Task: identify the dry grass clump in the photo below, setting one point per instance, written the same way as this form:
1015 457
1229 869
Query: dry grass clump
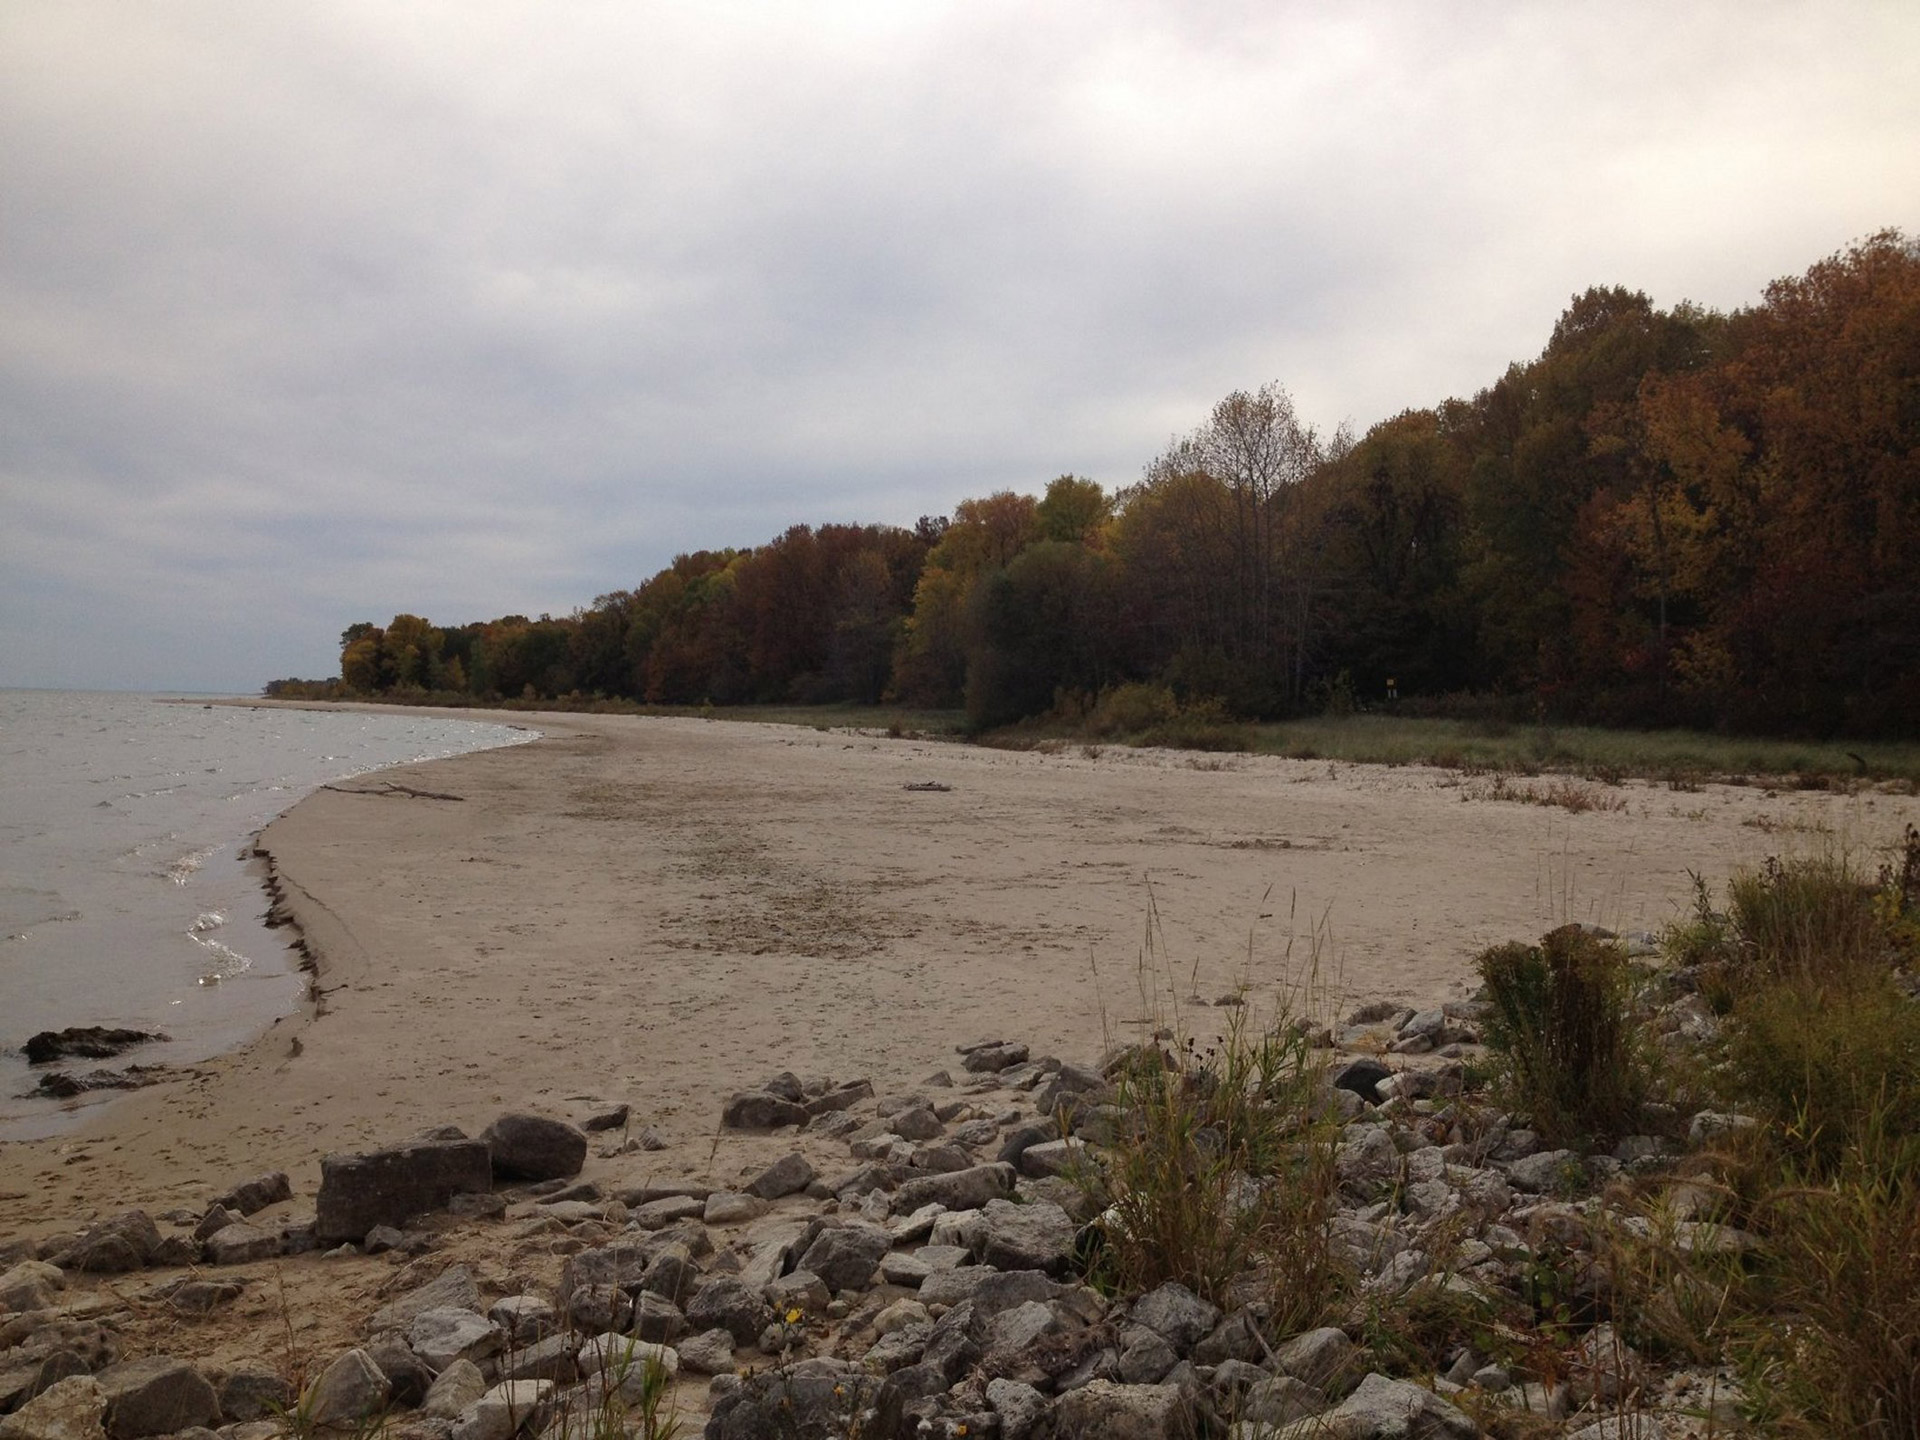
1225 1170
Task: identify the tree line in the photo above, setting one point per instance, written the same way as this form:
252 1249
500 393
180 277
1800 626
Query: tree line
1667 517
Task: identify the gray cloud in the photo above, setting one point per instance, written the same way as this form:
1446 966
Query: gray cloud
315 312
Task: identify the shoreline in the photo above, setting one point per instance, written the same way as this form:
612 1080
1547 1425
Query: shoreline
661 911
240 912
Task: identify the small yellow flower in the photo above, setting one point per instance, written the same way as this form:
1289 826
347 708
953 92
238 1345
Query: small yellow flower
959 1429
793 1317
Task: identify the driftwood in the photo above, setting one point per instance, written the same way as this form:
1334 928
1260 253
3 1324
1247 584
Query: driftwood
926 785
388 787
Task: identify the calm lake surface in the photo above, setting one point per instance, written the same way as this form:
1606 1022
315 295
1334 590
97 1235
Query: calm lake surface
127 896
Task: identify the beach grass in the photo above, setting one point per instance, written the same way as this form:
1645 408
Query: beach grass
1680 756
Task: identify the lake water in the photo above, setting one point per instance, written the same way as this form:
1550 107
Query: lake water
127 895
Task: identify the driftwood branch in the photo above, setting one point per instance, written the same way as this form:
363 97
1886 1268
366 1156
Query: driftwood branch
388 787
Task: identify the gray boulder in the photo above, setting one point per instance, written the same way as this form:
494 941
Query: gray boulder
786 1176
991 1059
725 1303
349 1390
443 1336
387 1187
453 1288
1177 1315
256 1194
967 1189
72 1409
124 1242
760 1110
808 1401
1027 1237
534 1147
240 1243
1325 1359
253 1392
457 1387
846 1256
1019 1407
1384 1409
156 1396
1103 1410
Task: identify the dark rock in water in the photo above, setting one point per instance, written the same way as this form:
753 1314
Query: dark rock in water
64 1084
386 1187
532 1147
85 1042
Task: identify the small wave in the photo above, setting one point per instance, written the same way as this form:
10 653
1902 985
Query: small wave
206 921
227 962
181 870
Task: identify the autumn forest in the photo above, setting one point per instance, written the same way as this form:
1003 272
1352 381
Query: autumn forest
1669 517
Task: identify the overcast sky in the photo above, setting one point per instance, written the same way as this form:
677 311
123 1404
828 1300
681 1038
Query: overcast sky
311 313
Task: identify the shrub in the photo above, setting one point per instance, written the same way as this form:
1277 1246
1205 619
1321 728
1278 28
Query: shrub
1561 1033
1812 919
1825 1063
1130 709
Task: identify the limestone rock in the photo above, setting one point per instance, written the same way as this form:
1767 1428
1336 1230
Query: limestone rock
443 1336
524 1318
458 1386
407 1374
250 1196
253 1392
1176 1314
724 1303
348 1391
1325 1359
957 1190
1104 1410
1019 1407
786 1176
122 1243
387 1187
72 1409
708 1353
534 1147
759 1110
30 1285
1384 1409
241 1243
990 1059
1026 1237
730 1207
453 1288
846 1257
516 1407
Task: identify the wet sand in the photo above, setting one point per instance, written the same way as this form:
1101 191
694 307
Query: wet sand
663 911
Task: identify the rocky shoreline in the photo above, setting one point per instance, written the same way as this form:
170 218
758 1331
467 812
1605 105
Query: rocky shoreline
913 1265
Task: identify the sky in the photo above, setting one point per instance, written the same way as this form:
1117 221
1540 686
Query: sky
319 312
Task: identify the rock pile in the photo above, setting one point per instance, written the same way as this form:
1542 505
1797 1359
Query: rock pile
912 1266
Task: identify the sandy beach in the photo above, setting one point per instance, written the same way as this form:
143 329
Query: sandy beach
663 911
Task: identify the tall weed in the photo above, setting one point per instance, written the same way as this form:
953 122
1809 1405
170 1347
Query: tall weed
1561 1034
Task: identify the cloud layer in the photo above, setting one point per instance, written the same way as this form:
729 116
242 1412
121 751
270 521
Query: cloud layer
314 312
